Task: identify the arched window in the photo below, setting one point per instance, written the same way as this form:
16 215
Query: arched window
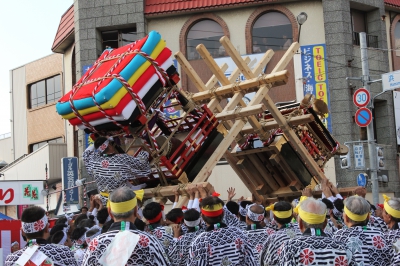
272 30
207 32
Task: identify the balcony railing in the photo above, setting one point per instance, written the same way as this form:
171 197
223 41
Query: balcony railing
372 40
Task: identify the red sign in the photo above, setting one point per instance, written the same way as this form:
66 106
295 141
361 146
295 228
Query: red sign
361 97
363 117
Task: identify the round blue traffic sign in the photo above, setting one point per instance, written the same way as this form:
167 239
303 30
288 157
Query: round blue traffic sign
363 117
361 180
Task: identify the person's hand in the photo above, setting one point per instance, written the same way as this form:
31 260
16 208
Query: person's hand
335 190
202 191
176 228
196 192
190 191
306 192
231 193
241 199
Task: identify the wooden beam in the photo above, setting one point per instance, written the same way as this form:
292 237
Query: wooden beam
212 65
241 112
187 67
169 190
246 86
263 171
268 125
213 80
247 166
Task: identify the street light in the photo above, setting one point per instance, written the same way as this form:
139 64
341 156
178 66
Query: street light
301 18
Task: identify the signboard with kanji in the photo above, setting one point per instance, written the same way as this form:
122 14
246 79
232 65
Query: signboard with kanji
69 173
21 193
359 160
315 75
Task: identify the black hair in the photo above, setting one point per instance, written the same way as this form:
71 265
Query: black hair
233 207
92 232
84 208
57 237
78 233
140 224
244 204
208 202
31 215
106 226
79 219
174 214
62 220
99 141
57 228
87 223
191 215
283 206
102 215
151 210
328 203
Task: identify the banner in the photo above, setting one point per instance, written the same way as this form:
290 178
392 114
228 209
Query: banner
315 75
21 193
69 174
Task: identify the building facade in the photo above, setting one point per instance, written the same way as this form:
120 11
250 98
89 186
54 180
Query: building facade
254 27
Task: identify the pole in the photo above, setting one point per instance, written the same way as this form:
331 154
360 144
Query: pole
370 127
47 189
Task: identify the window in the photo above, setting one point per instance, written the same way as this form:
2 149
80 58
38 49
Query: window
358 24
271 30
45 91
207 32
34 147
118 38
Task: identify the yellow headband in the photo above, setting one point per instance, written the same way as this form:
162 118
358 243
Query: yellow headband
139 194
213 208
311 218
279 214
122 207
355 217
390 210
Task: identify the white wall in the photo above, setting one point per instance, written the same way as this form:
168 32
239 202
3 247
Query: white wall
69 130
18 111
6 150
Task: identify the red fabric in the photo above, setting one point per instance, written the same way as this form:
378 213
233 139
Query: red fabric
13 226
184 208
380 206
117 110
178 220
216 194
156 219
101 71
212 213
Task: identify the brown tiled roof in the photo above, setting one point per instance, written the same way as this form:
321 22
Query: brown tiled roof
65 31
156 7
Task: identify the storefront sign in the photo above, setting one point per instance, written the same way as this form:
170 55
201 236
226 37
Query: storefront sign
315 75
21 193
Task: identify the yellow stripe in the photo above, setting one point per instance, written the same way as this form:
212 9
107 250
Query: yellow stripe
122 91
122 207
390 210
213 208
355 217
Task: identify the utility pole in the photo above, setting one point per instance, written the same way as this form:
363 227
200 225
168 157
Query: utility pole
370 128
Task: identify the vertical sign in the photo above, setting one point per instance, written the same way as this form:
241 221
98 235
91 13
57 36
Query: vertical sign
69 175
359 160
396 102
315 75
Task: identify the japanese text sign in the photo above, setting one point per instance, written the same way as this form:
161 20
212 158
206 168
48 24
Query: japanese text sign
21 193
69 173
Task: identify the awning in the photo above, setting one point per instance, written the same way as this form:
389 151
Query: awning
5 217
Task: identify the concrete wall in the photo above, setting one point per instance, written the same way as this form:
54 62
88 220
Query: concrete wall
43 122
19 128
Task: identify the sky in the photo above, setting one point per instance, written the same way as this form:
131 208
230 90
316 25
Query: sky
27 31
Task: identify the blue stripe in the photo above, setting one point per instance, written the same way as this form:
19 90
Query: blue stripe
109 91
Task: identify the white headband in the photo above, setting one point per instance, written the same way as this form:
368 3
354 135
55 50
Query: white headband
103 146
63 240
35 227
242 210
255 217
88 239
192 223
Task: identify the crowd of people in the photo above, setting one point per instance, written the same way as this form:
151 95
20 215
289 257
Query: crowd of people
121 228
307 231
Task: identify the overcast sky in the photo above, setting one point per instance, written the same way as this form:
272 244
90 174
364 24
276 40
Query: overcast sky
27 31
